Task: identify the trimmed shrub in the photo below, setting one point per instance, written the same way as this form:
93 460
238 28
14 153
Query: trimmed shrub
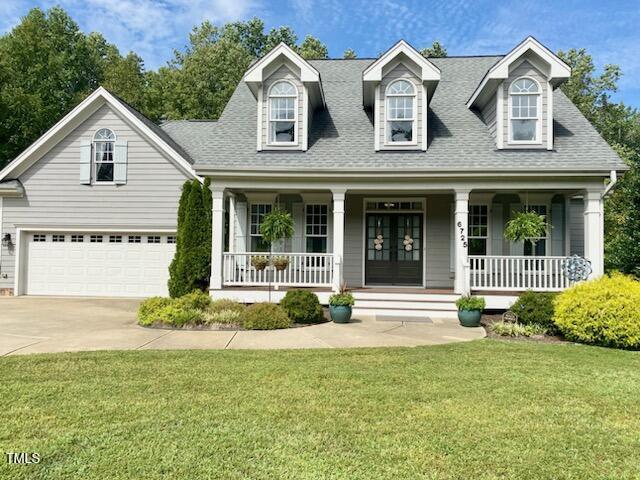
196 300
507 329
265 316
227 304
536 308
603 312
302 306
177 316
148 310
226 317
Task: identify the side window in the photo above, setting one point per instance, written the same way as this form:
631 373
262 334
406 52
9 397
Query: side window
316 228
258 211
478 229
103 149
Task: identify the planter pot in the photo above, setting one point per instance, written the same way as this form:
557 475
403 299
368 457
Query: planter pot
281 266
340 313
469 318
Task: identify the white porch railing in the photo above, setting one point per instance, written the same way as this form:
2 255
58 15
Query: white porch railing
509 273
303 270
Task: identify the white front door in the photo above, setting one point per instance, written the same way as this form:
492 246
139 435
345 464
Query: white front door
98 264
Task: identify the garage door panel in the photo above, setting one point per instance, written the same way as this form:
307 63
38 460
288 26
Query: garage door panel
97 269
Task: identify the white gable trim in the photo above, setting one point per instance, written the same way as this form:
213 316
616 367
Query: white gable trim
558 69
429 72
88 106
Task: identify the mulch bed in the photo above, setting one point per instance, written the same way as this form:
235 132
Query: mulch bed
488 319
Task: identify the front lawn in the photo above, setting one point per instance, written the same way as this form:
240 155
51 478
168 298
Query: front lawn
484 409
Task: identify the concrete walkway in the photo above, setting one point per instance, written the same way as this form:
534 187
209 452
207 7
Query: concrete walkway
49 324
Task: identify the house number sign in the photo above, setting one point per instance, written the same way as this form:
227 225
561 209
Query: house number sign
463 237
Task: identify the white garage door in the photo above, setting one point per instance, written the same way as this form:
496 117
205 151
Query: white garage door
98 264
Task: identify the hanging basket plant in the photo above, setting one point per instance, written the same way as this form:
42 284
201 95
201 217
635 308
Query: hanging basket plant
526 226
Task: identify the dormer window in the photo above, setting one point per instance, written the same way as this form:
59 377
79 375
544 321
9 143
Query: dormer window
283 99
524 110
400 112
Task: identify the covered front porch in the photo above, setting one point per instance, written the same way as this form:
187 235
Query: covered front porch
448 240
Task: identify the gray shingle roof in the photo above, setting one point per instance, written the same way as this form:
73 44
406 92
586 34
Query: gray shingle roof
341 136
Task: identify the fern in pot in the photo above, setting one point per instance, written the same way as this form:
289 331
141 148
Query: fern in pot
470 310
525 226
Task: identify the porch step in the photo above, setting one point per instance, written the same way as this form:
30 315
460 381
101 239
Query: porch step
418 306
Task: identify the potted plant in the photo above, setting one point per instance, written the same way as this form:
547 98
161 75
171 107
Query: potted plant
276 225
470 310
527 225
340 306
260 262
281 263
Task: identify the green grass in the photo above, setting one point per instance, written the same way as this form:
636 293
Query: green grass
484 409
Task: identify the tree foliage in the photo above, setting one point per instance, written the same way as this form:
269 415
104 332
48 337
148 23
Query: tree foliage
191 266
619 125
349 53
436 50
47 66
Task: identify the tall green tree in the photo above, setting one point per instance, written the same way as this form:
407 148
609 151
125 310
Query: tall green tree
191 267
45 69
436 50
349 54
312 48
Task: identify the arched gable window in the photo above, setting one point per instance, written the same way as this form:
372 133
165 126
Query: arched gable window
283 100
524 110
103 148
400 112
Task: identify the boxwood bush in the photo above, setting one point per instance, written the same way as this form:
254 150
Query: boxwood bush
265 316
603 312
302 306
536 308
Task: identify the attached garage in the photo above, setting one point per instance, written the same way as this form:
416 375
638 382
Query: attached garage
106 264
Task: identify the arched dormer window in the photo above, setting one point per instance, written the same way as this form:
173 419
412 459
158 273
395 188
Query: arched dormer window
283 102
400 112
103 147
524 111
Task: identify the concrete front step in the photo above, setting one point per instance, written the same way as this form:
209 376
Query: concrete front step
406 305
400 296
415 315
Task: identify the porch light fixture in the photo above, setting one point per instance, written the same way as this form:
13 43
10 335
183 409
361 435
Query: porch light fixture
6 240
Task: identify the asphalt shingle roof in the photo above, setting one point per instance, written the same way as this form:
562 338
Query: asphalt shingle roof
341 136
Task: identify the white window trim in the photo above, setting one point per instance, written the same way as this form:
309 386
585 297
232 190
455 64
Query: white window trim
488 236
413 120
250 214
296 134
538 119
94 162
306 235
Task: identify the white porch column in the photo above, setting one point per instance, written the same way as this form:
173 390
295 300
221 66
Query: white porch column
217 237
338 237
461 226
594 231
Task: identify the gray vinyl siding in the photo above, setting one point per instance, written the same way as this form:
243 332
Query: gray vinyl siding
400 71
576 226
438 241
525 69
489 116
55 197
439 228
282 73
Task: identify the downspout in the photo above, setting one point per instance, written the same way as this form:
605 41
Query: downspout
613 176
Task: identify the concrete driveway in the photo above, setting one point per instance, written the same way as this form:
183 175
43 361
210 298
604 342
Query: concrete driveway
52 324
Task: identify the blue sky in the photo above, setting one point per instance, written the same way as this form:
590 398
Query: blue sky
153 28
